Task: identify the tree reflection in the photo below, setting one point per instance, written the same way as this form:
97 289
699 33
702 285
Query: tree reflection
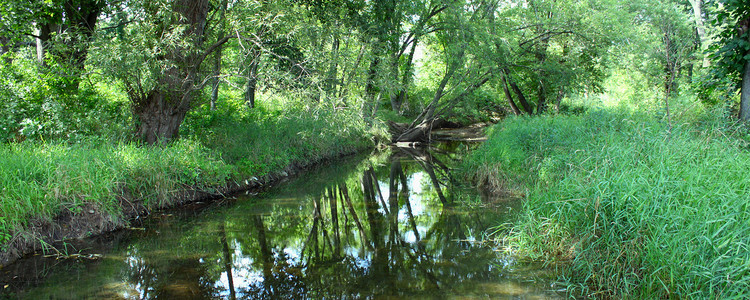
339 239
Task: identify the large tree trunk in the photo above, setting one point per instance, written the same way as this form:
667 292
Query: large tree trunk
160 111
159 118
215 85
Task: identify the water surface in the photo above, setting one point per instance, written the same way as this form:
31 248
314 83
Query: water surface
388 226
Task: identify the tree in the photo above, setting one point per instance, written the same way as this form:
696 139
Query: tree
222 28
63 30
162 76
700 28
732 51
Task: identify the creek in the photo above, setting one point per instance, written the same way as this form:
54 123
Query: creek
396 225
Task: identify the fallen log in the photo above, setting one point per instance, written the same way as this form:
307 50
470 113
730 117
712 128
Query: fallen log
419 133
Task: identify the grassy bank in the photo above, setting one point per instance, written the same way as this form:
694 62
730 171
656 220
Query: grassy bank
40 180
639 210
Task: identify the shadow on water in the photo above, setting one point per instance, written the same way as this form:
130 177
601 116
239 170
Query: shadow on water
394 225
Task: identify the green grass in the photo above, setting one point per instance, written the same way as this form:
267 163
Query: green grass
40 179
639 211
269 141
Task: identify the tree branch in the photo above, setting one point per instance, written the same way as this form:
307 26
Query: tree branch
213 48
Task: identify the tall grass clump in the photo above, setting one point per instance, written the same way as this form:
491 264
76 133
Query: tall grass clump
39 180
638 209
264 141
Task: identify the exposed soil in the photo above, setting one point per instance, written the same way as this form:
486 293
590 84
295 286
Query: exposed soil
91 220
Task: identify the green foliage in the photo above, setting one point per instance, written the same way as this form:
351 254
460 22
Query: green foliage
39 106
731 50
640 211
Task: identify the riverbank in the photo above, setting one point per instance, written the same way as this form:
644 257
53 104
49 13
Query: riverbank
55 191
637 209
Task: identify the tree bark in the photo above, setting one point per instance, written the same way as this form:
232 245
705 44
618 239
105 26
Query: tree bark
331 81
5 49
745 93
159 118
215 85
218 56
560 96
700 28
406 79
509 97
521 98
252 84
76 18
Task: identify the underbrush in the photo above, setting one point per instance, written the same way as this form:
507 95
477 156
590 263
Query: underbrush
638 209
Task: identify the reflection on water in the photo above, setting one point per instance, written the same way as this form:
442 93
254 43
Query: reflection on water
395 226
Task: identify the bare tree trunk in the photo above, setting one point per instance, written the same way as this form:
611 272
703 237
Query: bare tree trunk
509 97
331 81
745 93
521 98
560 95
252 77
43 35
217 72
406 79
217 57
700 28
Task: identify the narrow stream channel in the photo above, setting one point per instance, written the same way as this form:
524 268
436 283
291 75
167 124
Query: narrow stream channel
393 225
